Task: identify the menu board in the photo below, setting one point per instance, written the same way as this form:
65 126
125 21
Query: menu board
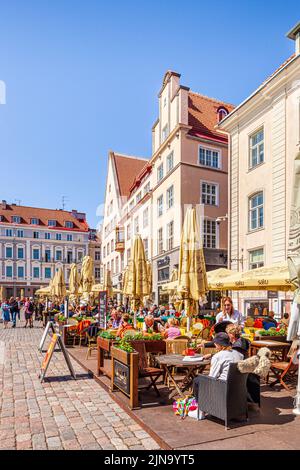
102 309
56 339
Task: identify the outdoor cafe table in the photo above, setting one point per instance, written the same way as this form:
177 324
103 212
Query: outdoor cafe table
192 369
274 346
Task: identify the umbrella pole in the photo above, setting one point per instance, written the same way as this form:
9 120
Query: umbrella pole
296 410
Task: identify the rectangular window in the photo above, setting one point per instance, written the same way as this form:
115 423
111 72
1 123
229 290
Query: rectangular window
20 271
20 253
209 157
69 238
69 257
256 148
209 194
36 273
256 211
35 253
58 236
47 256
108 249
9 232
160 242
209 234
80 256
16 219
113 266
145 241
68 224
170 162
138 197
20 233
170 197
47 236
160 172
112 244
136 225
97 273
145 218
8 252
170 232
147 188
97 255
256 258
51 223
165 133
9 271
104 252
35 221
36 234
160 202
163 274
58 255
48 273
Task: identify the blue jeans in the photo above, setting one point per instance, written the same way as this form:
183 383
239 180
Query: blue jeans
14 318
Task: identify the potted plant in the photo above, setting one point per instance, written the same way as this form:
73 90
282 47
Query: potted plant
106 339
274 334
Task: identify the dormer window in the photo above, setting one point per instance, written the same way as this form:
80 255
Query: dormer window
35 221
51 223
68 224
222 113
16 219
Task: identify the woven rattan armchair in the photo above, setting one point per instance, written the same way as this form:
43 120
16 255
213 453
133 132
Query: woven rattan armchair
225 400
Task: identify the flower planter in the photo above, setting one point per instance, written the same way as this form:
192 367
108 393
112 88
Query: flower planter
267 338
125 371
153 346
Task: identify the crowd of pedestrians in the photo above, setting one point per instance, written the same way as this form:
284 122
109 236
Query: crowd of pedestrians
10 311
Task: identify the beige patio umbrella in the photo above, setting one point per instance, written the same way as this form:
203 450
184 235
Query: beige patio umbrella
148 298
86 278
294 267
60 285
192 280
108 283
74 280
137 282
1 293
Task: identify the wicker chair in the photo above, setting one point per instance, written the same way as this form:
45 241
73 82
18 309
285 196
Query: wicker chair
225 400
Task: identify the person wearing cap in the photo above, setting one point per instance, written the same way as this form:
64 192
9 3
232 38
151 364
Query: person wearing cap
220 361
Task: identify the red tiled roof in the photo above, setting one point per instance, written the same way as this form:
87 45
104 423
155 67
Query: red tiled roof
203 115
127 169
27 213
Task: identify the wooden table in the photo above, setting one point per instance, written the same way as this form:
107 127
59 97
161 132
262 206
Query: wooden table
274 346
192 369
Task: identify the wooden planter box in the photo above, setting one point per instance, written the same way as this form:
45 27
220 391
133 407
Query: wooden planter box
155 346
125 372
272 338
103 344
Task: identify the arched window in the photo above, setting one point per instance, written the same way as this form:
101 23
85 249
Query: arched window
222 113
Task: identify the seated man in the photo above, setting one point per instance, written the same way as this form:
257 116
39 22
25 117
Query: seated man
269 321
151 325
125 326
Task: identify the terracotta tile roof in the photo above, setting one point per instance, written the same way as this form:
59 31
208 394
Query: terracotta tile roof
27 213
127 169
203 115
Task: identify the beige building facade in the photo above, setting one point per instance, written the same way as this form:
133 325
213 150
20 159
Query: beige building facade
149 197
264 140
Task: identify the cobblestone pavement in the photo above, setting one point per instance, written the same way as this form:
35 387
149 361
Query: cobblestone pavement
60 413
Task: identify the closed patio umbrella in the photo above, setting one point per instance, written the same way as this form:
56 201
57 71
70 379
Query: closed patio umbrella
192 280
60 285
74 280
86 278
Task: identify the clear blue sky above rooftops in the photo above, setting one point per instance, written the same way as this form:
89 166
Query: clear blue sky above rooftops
82 78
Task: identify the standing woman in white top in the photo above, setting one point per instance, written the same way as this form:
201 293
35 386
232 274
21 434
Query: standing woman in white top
229 314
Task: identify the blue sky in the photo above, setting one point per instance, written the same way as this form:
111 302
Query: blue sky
82 78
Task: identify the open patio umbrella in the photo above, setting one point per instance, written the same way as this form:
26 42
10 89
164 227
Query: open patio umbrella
137 282
74 280
86 278
294 267
192 280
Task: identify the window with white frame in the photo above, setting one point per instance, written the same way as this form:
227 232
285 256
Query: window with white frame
20 233
36 234
165 132
108 249
97 255
209 233
97 273
209 194
145 218
47 236
9 232
69 224
79 256
160 241
256 211
256 148
58 236
209 157
131 205
8 252
138 197
170 197
58 255
104 252
20 252
256 258
136 225
48 274
36 272
147 188
170 235
160 202
160 172
16 219
36 253
170 161
35 221
69 237
51 223
9 271
21 272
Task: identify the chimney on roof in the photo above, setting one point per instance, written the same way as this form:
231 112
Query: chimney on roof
3 204
294 34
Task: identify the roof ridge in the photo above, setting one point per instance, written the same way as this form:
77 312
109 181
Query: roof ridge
41 208
117 154
210 98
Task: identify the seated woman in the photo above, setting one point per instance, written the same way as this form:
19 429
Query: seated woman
238 343
125 326
172 329
220 361
150 325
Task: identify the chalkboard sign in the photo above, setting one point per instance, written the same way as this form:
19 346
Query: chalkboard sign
102 308
56 339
